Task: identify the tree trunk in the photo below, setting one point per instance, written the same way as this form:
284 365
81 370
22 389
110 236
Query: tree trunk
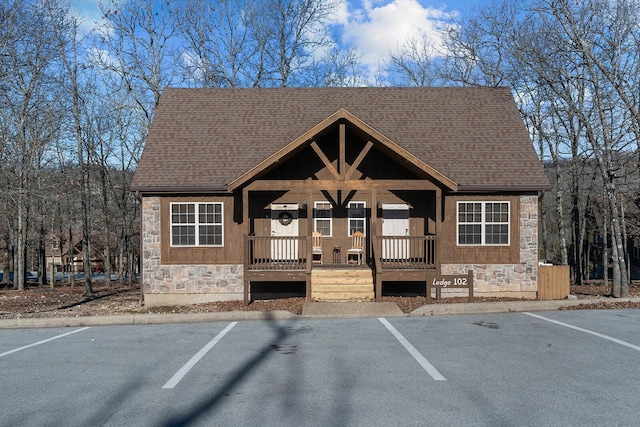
564 257
42 256
19 262
121 263
620 284
72 267
86 260
605 250
107 263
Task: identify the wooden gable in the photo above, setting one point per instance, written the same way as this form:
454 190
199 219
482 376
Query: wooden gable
342 148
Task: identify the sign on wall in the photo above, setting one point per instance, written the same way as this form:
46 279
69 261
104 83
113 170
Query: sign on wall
449 281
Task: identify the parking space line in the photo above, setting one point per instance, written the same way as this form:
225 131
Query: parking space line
586 331
431 370
199 355
6 353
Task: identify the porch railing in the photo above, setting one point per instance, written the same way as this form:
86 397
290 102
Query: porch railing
277 253
390 252
406 252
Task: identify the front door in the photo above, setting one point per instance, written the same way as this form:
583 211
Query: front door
284 223
395 222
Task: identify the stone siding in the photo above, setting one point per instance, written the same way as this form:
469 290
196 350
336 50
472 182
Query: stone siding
219 282
519 279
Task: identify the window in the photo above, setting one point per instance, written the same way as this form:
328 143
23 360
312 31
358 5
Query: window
322 217
483 223
196 224
636 250
357 217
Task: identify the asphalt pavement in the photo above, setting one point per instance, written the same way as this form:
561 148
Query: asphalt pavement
538 368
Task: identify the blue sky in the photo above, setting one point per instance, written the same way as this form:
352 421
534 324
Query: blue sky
374 27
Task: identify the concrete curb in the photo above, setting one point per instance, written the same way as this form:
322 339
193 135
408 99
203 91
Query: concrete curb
509 306
145 319
335 311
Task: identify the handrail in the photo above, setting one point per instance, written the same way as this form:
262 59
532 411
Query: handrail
277 252
388 252
405 252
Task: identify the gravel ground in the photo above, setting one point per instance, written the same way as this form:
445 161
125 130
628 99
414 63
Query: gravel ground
68 301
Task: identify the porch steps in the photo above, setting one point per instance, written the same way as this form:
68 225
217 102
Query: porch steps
341 284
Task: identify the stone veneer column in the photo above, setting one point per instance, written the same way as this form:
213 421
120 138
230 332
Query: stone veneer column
518 279
150 241
175 284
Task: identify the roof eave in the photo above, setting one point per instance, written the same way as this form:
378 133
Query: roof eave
498 188
157 190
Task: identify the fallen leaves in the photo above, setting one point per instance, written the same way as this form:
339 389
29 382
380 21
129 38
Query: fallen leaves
68 301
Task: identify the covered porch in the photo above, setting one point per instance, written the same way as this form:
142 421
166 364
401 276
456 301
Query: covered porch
406 258
338 179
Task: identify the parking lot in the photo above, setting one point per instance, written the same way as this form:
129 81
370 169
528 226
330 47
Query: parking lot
552 368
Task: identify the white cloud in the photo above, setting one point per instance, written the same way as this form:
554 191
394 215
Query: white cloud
88 12
378 27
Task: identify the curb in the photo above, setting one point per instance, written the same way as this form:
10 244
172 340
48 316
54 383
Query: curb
227 316
145 319
509 306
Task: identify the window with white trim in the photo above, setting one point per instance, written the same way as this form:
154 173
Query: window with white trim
357 217
483 223
323 218
196 224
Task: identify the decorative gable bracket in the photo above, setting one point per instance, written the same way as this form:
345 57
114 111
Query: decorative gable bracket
341 173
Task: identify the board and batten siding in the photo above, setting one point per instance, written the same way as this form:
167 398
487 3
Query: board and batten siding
168 282
229 253
515 275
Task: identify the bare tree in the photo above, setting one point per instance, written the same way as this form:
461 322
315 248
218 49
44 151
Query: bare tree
249 44
573 67
416 63
220 48
136 45
66 31
288 33
479 46
337 68
27 97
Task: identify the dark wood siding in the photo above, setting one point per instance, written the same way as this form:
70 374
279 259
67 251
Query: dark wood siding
451 253
230 253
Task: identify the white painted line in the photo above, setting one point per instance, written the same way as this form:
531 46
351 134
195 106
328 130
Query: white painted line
412 350
566 325
6 353
199 355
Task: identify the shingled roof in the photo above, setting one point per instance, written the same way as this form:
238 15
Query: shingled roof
203 139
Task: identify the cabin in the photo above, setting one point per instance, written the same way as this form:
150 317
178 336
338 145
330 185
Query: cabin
344 193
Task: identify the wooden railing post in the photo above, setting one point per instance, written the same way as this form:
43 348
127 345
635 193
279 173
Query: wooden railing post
247 260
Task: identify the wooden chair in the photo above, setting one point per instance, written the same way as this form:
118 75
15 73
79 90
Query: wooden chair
316 243
354 255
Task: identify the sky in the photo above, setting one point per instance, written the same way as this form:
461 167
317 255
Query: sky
374 27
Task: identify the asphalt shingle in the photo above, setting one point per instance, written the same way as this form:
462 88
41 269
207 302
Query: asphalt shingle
206 138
